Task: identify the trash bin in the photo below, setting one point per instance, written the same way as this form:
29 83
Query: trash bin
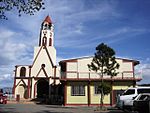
17 98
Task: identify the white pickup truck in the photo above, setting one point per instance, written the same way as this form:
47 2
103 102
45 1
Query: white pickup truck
125 101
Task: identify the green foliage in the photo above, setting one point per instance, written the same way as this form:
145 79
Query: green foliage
22 6
105 87
104 63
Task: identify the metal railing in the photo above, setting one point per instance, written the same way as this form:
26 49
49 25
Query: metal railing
94 75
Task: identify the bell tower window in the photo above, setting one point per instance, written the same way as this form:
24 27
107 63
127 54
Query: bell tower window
44 42
49 26
22 72
50 41
46 26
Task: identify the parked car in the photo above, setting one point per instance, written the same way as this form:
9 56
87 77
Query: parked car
125 101
142 103
3 98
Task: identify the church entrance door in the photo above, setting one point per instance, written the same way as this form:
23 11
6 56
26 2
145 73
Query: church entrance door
42 88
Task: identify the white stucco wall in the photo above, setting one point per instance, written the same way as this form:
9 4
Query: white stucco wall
80 69
19 88
83 64
49 34
58 71
43 59
72 66
32 88
127 66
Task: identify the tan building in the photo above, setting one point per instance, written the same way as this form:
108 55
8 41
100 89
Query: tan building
80 84
71 81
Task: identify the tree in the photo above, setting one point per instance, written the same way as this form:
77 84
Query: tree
22 6
104 62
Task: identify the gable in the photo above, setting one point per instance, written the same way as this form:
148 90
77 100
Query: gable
40 53
42 58
42 73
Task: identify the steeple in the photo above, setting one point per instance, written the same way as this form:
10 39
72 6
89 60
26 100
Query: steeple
46 33
47 19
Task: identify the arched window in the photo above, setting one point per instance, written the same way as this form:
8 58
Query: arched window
44 42
49 26
45 26
50 42
22 72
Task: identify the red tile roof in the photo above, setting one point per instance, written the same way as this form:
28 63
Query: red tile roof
47 19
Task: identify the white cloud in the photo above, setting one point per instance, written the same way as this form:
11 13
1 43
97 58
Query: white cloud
10 50
5 76
68 17
121 33
144 69
13 52
58 59
6 33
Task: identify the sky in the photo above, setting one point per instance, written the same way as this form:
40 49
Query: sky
79 26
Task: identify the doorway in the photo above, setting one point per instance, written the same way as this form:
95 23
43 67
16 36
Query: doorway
42 88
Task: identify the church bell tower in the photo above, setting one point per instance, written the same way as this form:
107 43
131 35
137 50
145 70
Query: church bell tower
45 53
46 33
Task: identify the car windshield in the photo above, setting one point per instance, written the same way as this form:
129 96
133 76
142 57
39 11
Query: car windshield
129 92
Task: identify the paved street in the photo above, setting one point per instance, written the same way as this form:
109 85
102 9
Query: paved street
33 108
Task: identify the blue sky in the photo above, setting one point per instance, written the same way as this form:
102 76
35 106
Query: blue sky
80 25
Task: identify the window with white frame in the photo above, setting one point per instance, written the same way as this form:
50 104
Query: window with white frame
78 90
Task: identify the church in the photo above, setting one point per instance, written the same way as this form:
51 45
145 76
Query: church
70 82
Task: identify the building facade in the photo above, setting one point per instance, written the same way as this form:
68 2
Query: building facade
71 79
32 81
82 84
